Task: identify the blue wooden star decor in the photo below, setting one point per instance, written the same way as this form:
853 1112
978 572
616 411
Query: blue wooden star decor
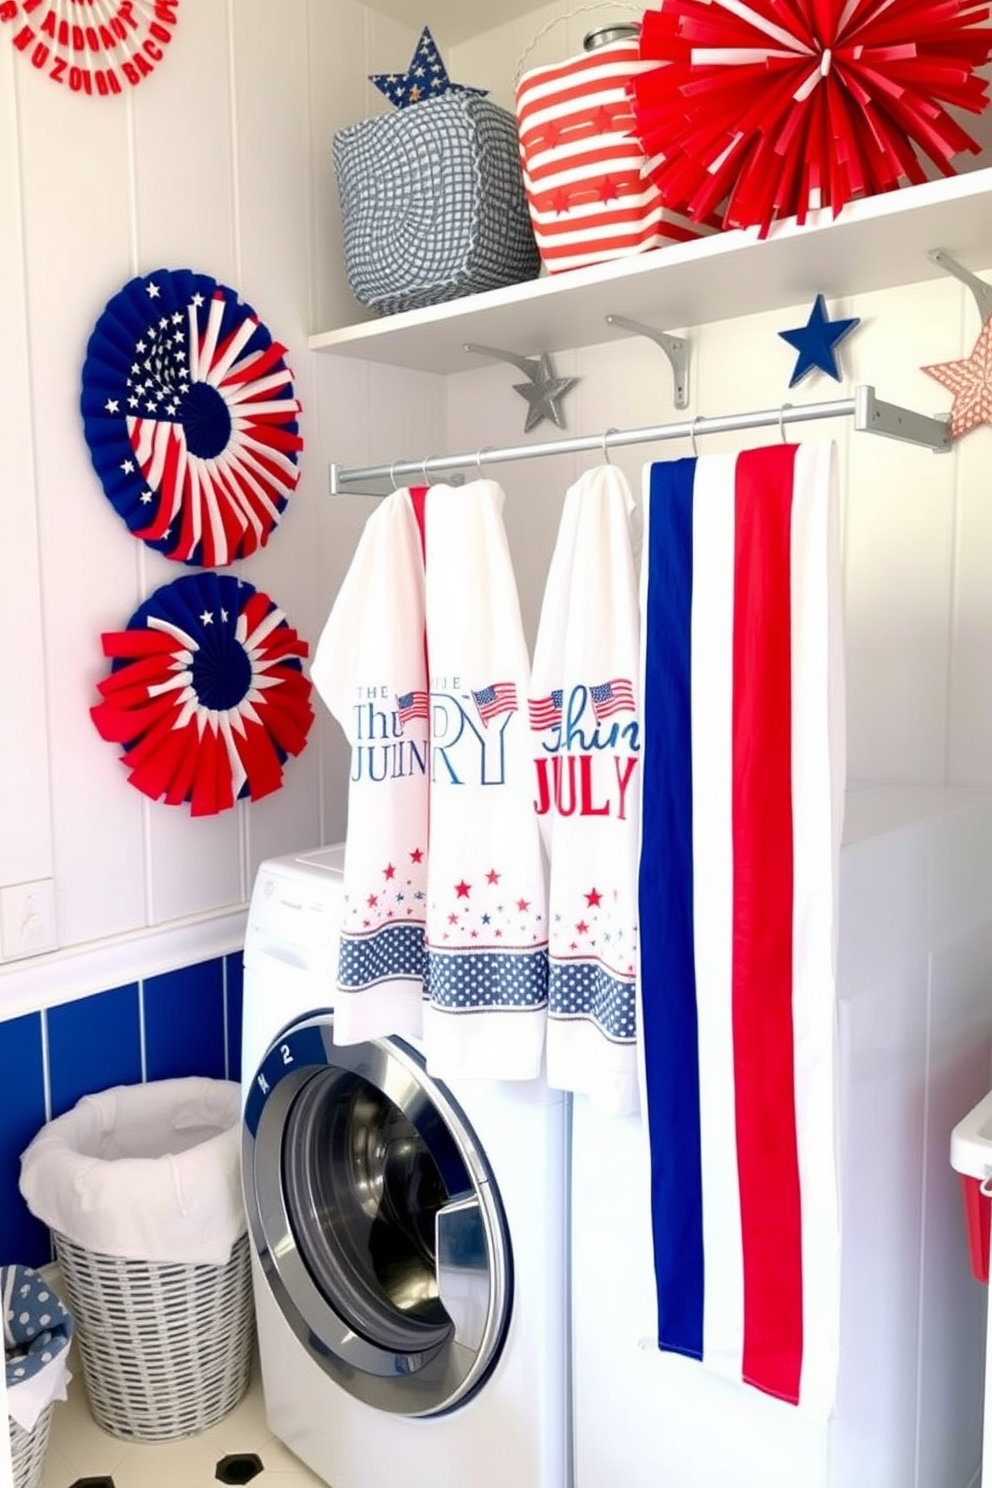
816 340
426 77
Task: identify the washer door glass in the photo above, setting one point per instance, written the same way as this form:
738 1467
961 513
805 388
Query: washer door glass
376 1219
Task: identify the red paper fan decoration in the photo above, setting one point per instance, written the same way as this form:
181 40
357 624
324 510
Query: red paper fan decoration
206 693
99 49
777 107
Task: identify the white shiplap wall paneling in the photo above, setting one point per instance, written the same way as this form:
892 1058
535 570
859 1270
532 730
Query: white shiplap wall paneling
25 815
274 211
191 865
75 157
337 92
341 432
899 531
184 188
969 722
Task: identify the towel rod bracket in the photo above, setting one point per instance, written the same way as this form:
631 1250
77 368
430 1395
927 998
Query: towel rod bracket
874 416
676 349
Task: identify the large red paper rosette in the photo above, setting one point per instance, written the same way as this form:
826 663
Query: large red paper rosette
206 693
777 107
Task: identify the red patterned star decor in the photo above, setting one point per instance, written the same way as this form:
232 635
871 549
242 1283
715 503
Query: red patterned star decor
775 108
970 380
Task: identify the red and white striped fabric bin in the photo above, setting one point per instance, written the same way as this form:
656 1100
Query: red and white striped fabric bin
582 163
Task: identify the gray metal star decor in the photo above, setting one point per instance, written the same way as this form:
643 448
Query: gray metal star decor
544 392
543 389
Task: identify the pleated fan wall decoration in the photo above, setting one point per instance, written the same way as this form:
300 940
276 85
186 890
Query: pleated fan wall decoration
190 416
98 50
206 693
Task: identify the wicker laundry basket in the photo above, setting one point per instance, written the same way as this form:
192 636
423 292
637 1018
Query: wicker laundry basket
37 1332
28 1448
141 1188
166 1349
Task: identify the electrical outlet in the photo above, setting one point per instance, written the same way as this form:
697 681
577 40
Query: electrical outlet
27 919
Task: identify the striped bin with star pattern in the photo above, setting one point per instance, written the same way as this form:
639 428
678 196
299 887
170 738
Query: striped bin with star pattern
588 194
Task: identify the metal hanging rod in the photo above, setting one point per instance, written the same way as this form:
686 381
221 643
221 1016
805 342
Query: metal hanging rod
870 415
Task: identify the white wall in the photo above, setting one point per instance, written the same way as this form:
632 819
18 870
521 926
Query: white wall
221 162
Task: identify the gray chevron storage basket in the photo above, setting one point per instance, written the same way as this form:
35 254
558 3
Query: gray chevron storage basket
433 204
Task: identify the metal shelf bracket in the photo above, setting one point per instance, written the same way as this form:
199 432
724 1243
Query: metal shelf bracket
979 288
676 349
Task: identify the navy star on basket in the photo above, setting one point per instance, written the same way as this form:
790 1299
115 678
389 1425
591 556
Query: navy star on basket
190 417
816 340
426 77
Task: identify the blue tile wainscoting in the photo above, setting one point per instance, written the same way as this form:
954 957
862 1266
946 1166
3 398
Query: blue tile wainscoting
183 1022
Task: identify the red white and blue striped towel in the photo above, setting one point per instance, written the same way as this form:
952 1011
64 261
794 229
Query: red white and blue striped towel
742 803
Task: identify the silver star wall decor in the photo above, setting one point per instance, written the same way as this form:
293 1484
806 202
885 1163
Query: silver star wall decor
543 394
543 390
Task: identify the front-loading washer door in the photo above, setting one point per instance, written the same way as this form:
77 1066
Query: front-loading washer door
376 1219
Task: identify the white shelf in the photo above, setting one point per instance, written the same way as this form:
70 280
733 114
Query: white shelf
452 21
877 243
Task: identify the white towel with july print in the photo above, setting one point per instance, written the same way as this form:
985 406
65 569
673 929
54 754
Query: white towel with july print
486 914
586 733
370 670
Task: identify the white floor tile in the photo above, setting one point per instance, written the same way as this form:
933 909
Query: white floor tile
79 1448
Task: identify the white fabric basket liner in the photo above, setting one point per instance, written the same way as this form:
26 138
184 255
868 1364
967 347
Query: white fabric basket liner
144 1172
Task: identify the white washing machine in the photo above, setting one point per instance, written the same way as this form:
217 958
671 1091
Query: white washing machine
408 1236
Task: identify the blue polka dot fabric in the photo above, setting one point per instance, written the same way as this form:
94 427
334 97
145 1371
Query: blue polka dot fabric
37 1326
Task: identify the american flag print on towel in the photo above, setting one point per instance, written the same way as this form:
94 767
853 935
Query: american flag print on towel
586 733
487 928
742 807
370 668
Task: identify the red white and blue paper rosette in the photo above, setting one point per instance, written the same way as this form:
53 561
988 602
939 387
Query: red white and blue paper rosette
206 693
190 417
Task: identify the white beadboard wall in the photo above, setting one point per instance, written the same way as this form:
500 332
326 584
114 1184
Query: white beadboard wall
221 162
